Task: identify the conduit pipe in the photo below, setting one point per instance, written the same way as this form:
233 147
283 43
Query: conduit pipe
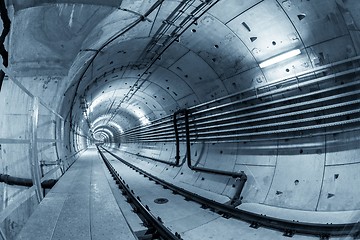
26 182
240 175
324 230
300 77
163 129
236 127
177 141
236 199
296 80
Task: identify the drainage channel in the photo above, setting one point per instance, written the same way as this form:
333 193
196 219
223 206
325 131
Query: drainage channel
157 230
289 228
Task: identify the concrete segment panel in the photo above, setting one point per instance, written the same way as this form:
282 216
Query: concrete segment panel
259 179
297 181
340 189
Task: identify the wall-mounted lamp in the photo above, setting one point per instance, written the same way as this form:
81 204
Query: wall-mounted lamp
280 58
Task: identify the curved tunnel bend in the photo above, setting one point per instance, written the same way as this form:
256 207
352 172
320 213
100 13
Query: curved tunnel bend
203 94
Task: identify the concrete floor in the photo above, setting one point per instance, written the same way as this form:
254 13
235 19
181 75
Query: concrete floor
90 71
80 206
186 217
86 204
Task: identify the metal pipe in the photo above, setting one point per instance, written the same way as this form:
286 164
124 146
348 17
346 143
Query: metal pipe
26 182
281 81
236 125
199 121
284 101
207 136
177 140
225 126
317 229
235 139
236 199
281 90
235 128
158 122
288 130
153 123
151 128
235 119
202 169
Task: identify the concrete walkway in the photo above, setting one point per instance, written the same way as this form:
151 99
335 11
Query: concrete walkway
80 206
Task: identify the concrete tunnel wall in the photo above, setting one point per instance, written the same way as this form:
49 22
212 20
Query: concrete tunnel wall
215 57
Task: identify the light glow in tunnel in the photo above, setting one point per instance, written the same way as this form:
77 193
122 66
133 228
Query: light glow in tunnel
103 132
200 94
112 99
280 58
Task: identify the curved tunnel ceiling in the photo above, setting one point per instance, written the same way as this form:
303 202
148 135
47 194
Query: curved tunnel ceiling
137 61
144 70
111 66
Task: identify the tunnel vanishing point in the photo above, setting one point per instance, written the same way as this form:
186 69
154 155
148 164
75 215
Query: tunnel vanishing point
180 119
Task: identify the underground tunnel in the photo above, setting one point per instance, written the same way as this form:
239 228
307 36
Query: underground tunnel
180 119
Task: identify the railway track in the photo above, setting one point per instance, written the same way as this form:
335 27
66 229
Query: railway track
160 231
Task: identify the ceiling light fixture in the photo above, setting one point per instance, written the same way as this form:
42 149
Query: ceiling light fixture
280 58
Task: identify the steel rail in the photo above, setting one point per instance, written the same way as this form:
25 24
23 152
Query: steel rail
150 219
257 220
